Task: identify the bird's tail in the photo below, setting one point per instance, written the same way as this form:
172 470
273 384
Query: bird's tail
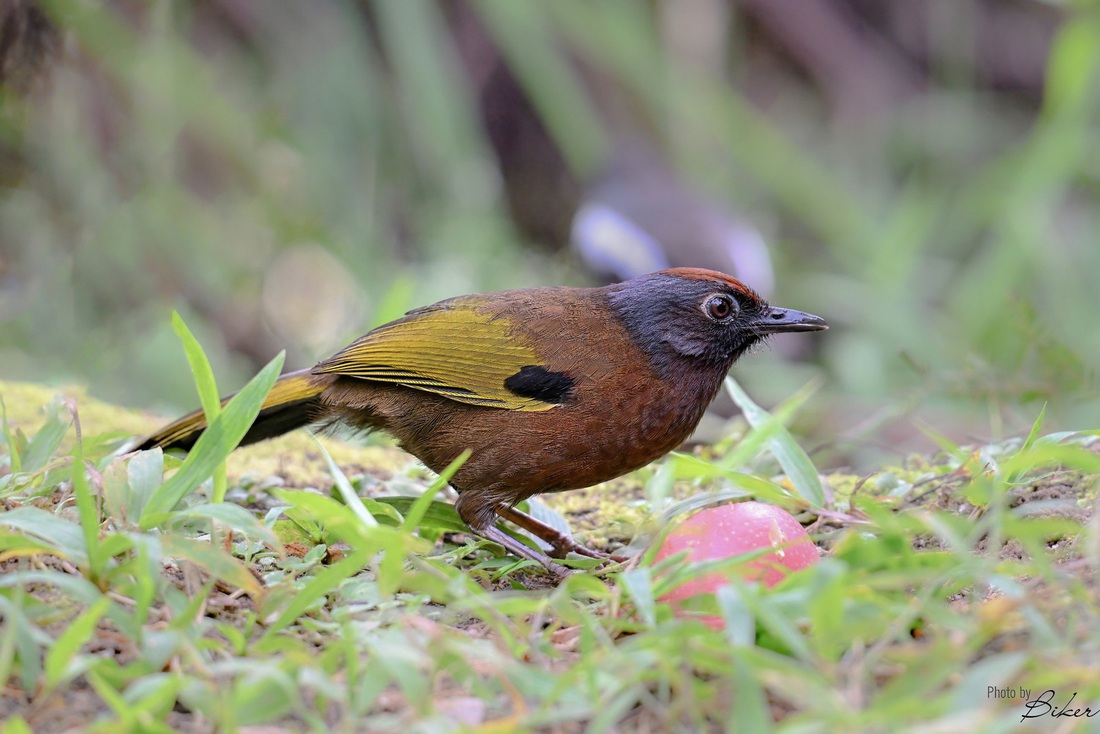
294 401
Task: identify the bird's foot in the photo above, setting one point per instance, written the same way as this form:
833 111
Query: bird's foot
561 544
516 548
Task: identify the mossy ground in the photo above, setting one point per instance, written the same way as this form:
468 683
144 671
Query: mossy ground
610 516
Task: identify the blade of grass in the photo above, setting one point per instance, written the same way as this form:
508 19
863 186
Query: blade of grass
16 725
795 462
44 444
437 514
114 700
638 583
14 457
420 506
215 561
89 516
17 635
323 583
63 536
347 492
233 517
337 521
62 654
214 445
207 389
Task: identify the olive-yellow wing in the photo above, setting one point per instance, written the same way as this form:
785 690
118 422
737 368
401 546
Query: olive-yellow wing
453 349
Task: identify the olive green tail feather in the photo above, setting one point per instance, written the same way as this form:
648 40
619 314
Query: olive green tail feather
294 401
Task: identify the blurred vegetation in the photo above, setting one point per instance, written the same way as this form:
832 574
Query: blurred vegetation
288 174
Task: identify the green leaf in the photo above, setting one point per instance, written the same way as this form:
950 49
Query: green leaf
266 693
795 462
89 516
779 625
16 725
639 585
325 582
15 457
552 82
47 439
1072 69
215 444
186 615
62 655
348 494
145 473
207 389
437 514
115 490
1033 435
740 622
200 368
419 508
234 516
337 520
751 710
112 698
78 587
64 537
17 635
215 561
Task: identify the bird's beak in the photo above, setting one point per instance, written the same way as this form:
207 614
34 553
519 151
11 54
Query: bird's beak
778 320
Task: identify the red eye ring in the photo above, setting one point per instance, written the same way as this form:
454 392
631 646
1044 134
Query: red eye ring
720 307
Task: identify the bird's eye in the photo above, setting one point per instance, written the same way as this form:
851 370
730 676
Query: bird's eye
720 307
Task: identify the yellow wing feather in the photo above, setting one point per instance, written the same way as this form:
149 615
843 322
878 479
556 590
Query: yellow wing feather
451 349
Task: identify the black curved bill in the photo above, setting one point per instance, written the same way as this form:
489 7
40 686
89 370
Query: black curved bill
779 320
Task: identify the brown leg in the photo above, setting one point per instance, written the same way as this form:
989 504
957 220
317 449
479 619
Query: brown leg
517 548
562 544
478 513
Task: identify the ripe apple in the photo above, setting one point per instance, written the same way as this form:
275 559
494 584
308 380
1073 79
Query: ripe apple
730 530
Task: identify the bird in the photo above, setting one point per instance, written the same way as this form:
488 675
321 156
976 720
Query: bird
549 388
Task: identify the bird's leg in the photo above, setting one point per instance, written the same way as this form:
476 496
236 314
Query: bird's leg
516 548
476 511
561 543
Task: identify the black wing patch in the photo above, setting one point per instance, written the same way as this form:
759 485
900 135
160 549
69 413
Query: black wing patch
540 383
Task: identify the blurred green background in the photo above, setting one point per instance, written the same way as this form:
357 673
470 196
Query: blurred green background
288 174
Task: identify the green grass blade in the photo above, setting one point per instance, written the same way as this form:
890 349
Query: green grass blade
216 442
17 636
89 516
419 507
46 441
232 516
144 474
638 583
64 537
113 699
1036 427
437 515
337 520
214 560
207 389
14 457
347 492
16 725
555 89
61 657
795 462
323 583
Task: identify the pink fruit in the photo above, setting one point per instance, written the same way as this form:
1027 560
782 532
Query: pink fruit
733 529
